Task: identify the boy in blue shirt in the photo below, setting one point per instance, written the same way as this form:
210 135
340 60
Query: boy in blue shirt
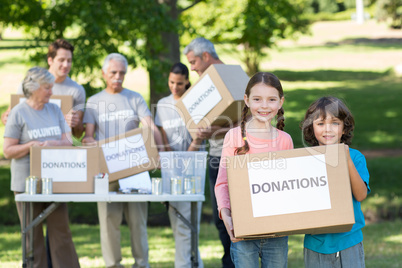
329 121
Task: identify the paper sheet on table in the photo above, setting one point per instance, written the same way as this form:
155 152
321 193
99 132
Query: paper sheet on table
138 181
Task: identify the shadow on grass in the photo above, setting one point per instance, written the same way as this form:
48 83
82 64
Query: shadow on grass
14 60
385 200
373 97
8 215
328 75
380 43
388 43
18 43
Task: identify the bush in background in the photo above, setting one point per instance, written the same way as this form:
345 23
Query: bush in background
390 11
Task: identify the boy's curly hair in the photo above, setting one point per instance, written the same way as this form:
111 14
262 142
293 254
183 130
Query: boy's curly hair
320 109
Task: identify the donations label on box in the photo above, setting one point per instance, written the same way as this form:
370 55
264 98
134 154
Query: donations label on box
291 189
129 153
202 98
300 191
216 99
64 165
72 169
125 153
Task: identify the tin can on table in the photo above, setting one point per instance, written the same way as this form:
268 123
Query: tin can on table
47 186
30 185
156 186
175 186
189 185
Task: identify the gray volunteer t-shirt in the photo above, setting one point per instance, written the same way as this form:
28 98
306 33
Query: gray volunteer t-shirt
215 147
167 117
27 124
69 88
114 114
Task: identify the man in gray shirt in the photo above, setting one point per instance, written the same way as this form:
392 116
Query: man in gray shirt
59 58
111 112
201 54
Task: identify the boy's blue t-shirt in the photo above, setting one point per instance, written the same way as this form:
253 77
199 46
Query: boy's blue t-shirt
332 243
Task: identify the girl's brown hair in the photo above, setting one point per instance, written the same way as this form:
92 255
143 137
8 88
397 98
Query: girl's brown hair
270 80
320 109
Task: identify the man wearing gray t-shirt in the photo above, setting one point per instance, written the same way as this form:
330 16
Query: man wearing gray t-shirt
111 112
201 54
59 58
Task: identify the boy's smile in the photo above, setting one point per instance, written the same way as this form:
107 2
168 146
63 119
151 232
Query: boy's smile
329 130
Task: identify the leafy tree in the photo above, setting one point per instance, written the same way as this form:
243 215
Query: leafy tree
390 10
252 24
147 32
134 28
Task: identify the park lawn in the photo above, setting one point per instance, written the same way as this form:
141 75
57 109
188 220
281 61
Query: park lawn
357 72
383 240
350 64
382 244
383 203
373 97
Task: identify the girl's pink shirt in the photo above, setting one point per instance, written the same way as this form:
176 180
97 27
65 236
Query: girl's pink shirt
233 140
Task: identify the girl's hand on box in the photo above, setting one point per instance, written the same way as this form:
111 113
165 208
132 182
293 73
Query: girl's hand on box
227 220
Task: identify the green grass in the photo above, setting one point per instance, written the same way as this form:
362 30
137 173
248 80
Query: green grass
373 97
354 68
382 244
385 200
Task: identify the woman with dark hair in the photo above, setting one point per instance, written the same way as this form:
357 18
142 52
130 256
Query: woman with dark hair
177 138
36 122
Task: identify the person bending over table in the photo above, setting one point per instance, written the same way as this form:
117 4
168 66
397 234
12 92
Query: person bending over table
36 122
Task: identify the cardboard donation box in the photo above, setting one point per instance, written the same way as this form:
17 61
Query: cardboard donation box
128 154
72 169
301 191
215 99
65 103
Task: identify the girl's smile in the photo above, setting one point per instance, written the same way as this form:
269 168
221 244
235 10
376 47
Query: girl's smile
263 102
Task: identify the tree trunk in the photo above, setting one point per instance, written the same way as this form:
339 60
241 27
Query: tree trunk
251 59
158 74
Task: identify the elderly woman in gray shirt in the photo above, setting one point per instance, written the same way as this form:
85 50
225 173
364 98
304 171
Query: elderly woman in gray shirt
36 122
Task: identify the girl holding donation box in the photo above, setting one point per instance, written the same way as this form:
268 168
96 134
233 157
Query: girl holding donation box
264 99
177 138
36 122
328 121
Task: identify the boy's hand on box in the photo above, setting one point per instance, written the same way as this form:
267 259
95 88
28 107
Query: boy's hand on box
227 220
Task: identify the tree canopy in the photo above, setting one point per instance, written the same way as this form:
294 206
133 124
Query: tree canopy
147 32
253 25
131 27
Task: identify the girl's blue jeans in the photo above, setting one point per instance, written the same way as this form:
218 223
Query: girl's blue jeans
272 251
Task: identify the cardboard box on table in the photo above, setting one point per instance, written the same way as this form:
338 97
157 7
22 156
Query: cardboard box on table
215 99
128 154
65 102
300 191
71 168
